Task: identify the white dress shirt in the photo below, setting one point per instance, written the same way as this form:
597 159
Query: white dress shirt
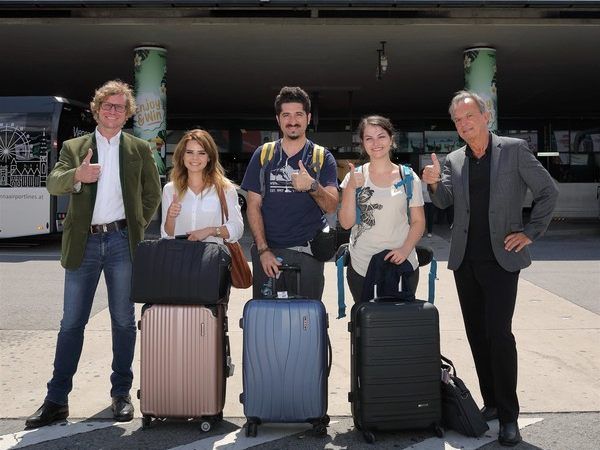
109 197
203 210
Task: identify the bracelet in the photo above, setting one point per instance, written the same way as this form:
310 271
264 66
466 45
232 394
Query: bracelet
262 250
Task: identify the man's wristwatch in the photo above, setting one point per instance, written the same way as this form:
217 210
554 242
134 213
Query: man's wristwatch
263 250
314 186
218 232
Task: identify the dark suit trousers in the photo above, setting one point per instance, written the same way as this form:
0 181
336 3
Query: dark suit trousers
487 295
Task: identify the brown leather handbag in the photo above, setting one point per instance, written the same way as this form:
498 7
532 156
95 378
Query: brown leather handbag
241 275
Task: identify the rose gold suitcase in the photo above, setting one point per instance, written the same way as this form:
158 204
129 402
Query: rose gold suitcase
184 363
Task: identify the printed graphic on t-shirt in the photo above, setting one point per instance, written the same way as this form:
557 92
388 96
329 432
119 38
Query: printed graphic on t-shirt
367 218
280 179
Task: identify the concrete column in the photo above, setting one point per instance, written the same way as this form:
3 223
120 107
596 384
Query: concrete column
480 77
150 120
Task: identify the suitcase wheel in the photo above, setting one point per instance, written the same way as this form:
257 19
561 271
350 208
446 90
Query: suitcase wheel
369 437
320 429
146 422
138 394
438 430
205 426
241 322
251 429
139 324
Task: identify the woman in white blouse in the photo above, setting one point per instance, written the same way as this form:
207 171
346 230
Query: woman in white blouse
190 201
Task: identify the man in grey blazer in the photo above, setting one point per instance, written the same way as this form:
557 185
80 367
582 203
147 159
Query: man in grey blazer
486 181
114 191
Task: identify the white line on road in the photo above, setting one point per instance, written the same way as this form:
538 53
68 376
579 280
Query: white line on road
453 440
237 440
50 433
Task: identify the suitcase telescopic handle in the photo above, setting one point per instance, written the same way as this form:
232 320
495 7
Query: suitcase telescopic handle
288 268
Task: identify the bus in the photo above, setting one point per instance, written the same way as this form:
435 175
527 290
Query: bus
32 130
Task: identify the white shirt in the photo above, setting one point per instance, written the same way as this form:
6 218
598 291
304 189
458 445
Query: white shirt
203 210
384 221
109 197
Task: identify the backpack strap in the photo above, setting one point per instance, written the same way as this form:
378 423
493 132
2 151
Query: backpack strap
318 159
266 155
358 219
406 180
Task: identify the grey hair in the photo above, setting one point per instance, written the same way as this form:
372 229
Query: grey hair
461 96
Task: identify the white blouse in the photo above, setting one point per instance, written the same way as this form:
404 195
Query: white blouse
203 210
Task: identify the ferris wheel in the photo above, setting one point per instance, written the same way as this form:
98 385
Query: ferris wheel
14 143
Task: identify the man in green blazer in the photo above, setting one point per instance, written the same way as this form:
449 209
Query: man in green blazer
114 191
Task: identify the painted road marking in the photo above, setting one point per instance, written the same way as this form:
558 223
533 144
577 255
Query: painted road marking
58 430
454 441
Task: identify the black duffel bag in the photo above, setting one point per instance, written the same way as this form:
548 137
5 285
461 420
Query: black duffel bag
459 411
182 272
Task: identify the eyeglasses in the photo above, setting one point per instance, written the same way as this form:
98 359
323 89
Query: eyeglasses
106 106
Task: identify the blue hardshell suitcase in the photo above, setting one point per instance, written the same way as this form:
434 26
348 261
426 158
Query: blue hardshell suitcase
286 362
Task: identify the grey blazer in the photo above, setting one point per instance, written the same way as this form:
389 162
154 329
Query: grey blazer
514 168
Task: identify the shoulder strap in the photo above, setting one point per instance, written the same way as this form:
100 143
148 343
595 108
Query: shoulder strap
406 180
223 202
318 159
266 154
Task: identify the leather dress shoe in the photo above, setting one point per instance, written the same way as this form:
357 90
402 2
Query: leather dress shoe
509 435
122 408
47 413
489 413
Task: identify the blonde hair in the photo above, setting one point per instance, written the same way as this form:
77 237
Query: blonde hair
113 87
213 175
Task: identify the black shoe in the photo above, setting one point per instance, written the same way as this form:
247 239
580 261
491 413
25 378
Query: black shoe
49 412
489 413
509 435
122 408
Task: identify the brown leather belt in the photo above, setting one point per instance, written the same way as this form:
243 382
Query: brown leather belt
108 227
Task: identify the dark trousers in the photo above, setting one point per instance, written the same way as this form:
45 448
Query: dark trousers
356 282
487 295
429 216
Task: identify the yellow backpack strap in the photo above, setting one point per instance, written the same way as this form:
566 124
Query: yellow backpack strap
318 159
266 154
318 156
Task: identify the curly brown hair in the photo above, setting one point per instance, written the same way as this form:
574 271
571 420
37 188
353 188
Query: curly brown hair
213 175
113 87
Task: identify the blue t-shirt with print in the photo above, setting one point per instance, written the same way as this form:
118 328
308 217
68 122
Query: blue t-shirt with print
290 218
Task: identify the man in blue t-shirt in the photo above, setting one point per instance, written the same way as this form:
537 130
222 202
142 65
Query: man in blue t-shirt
286 208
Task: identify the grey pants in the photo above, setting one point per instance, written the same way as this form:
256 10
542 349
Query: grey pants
312 280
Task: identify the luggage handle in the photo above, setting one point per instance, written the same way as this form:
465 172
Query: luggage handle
330 349
450 364
287 268
394 298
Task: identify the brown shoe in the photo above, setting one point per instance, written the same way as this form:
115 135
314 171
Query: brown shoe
49 412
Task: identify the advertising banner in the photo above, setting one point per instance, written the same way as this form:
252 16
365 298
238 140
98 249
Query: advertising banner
480 77
150 120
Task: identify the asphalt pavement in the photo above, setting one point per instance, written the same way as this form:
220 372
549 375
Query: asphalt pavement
556 326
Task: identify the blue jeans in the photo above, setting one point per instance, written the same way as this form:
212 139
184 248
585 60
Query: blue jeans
108 252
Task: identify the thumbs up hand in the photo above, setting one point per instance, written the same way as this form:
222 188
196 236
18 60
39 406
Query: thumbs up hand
87 172
432 172
174 207
301 180
357 179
